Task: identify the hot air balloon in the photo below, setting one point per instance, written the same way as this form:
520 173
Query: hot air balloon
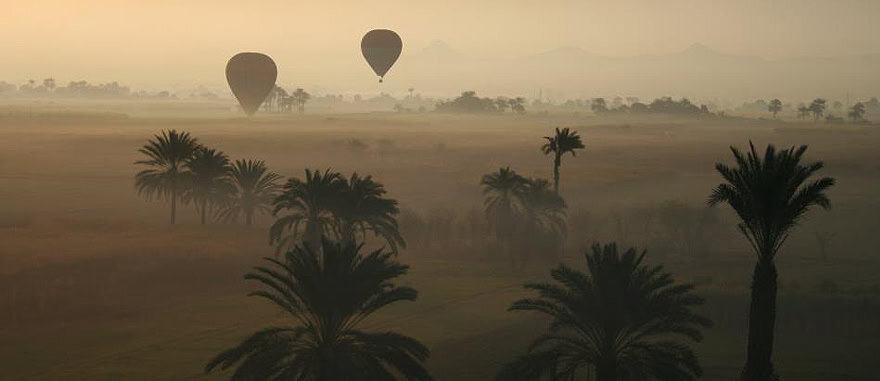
381 47
251 77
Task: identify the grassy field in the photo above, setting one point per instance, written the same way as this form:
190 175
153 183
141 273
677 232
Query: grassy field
95 285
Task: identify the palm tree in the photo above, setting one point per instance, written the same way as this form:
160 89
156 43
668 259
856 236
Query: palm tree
502 190
617 320
362 208
565 141
775 106
770 195
542 217
167 155
300 97
328 294
254 190
208 185
310 204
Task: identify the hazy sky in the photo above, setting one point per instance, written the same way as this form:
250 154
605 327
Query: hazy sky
156 43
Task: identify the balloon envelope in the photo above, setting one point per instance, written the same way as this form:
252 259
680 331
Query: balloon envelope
251 77
381 47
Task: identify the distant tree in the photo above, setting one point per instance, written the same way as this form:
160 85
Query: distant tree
362 207
837 106
254 189
857 112
282 99
300 97
502 191
817 107
517 105
49 83
598 105
208 186
309 205
632 100
411 92
770 194
167 155
775 106
328 293
502 103
271 98
617 321
803 111
564 141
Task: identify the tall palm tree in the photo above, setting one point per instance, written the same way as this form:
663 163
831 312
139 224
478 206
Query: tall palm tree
167 155
254 190
502 190
328 294
618 320
362 208
310 204
770 194
564 141
207 183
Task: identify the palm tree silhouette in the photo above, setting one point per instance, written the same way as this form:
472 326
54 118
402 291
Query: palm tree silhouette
167 155
362 208
770 195
619 319
502 190
310 204
564 141
208 184
328 294
254 190
542 217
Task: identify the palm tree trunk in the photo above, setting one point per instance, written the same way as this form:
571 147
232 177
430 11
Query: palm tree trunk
557 161
249 218
204 210
762 322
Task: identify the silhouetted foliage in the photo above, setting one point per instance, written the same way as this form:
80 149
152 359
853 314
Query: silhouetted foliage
564 141
617 321
469 102
309 204
208 185
598 105
857 112
327 204
328 293
775 106
770 194
362 208
523 213
817 108
167 156
502 190
254 188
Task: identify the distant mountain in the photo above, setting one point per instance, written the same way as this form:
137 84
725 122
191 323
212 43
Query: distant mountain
698 71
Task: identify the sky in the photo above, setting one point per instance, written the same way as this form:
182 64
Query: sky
174 43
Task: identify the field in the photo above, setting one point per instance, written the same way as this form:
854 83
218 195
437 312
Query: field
96 285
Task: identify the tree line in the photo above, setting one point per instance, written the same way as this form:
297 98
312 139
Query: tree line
469 102
618 319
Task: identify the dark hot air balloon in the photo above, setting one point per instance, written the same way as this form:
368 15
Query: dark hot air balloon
381 47
251 77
